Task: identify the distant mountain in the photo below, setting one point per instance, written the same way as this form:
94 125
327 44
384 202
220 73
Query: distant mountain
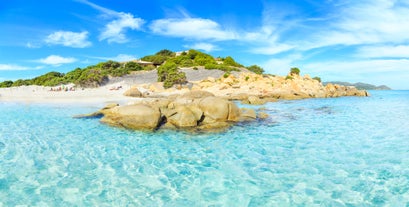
360 86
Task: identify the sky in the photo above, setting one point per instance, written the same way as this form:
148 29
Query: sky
337 40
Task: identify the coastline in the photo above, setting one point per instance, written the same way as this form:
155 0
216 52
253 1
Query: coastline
87 96
243 86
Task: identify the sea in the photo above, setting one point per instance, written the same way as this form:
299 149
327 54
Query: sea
348 151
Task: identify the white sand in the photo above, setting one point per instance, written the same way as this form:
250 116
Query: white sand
88 96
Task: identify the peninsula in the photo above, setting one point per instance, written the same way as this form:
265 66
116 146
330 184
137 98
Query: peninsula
171 90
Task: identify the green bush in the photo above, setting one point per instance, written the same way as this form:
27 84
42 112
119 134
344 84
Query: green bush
174 77
295 71
49 79
165 69
226 74
231 62
225 68
165 52
168 74
317 78
132 66
21 82
288 77
6 84
149 67
256 69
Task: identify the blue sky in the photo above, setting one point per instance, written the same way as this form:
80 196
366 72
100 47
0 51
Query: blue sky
345 40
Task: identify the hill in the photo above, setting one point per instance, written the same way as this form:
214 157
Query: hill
360 86
167 64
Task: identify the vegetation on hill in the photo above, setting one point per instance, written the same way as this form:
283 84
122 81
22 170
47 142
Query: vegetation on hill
168 71
91 76
361 86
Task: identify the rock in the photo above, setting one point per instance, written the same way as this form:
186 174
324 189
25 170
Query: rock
214 127
139 116
110 106
183 117
156 87
196 112
262 115
97 114
238 96
196 94
254 100
133 92
247 114
234 112
215 108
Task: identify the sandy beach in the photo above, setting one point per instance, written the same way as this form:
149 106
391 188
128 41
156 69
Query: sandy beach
47 95
112 92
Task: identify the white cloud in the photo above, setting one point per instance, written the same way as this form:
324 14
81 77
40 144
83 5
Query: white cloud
56 60
69 39
118 58
271 49
123 58
191 28
399 51
13 67
365 22
32 45
203 46
115 30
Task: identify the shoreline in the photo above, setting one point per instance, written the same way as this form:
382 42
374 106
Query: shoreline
247 87
43 95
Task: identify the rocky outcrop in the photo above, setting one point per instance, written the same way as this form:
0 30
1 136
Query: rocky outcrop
133 92
257 89
207 113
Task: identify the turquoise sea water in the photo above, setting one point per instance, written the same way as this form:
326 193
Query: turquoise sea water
349 151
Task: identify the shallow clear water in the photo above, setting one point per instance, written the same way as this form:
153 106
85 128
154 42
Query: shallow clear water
350 151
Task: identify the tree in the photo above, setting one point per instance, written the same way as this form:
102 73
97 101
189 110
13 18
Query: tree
165 52
165 69
317 78
132 66
256 69
168 74
295 71
230 62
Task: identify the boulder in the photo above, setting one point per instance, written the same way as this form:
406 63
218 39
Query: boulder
234 112
97 114
139 116
196 94
262 115
247 114
254 100
183 117
215 108
214 127
133 92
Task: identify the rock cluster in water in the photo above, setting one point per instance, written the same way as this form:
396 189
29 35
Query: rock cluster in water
207 104
198 110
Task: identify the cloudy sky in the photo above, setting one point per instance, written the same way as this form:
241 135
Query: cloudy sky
345 40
